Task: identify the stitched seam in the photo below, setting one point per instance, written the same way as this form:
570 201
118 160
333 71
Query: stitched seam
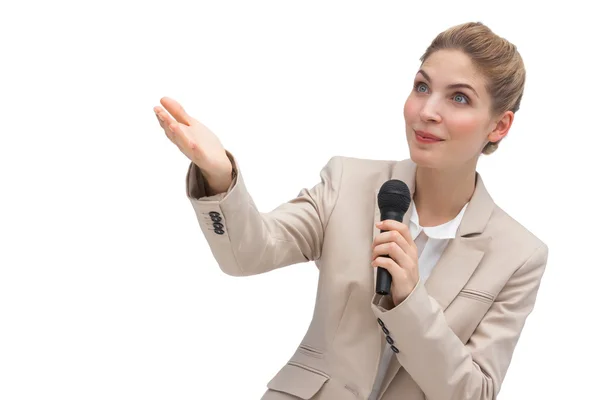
336 199
342 315
264 226
243 271
351 390
527 260
231 247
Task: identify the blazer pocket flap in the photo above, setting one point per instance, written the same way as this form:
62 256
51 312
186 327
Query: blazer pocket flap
298 380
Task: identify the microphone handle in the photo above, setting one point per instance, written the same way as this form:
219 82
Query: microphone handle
384 278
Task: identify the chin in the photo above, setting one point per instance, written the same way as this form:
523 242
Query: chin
424 158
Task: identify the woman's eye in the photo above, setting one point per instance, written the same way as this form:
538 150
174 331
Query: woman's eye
463 99
419 86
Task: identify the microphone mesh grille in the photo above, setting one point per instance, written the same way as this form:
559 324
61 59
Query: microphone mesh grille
394 194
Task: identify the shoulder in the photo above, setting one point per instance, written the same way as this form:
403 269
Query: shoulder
510 236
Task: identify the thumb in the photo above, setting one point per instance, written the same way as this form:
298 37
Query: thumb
176 110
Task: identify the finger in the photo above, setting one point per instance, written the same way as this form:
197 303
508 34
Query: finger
389 264
403 229
178 136
393 225
164 116
395 237
160 122
176 110
394 251
171 127
168 131
391 236
164 125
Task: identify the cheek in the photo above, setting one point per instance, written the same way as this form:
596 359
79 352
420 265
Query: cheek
411 109
464 126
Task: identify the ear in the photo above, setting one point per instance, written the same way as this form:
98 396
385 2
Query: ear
501 126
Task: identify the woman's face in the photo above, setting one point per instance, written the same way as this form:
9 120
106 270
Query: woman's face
449 100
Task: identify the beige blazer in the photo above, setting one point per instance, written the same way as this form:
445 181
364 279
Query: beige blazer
453 336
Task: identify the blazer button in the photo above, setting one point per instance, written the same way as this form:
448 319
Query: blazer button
385 330
395 350
380 322
216 218
389 340
214 214
218 226
219 231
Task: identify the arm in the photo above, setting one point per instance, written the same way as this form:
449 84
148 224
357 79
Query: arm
254 242
444 367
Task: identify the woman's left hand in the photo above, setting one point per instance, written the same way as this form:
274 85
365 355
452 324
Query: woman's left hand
403 263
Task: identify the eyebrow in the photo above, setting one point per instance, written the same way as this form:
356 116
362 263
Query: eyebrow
453 86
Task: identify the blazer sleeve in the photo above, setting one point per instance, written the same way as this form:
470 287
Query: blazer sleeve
444 367
245 241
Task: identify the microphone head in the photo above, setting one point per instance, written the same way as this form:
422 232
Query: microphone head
394 195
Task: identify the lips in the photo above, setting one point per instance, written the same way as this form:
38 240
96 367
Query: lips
428 135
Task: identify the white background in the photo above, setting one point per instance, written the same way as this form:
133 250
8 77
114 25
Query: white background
108 289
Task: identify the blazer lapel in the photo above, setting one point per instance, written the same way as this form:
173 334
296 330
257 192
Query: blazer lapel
463 254
460 258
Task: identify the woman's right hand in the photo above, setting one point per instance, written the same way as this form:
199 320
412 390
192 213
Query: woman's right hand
197 142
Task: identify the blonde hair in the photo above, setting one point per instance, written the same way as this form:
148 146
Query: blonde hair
494 57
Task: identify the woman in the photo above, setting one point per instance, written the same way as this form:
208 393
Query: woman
465 275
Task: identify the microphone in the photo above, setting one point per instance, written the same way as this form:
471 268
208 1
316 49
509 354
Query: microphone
393 201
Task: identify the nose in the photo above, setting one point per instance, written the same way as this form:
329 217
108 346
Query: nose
429 111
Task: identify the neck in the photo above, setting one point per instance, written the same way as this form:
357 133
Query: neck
441 194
